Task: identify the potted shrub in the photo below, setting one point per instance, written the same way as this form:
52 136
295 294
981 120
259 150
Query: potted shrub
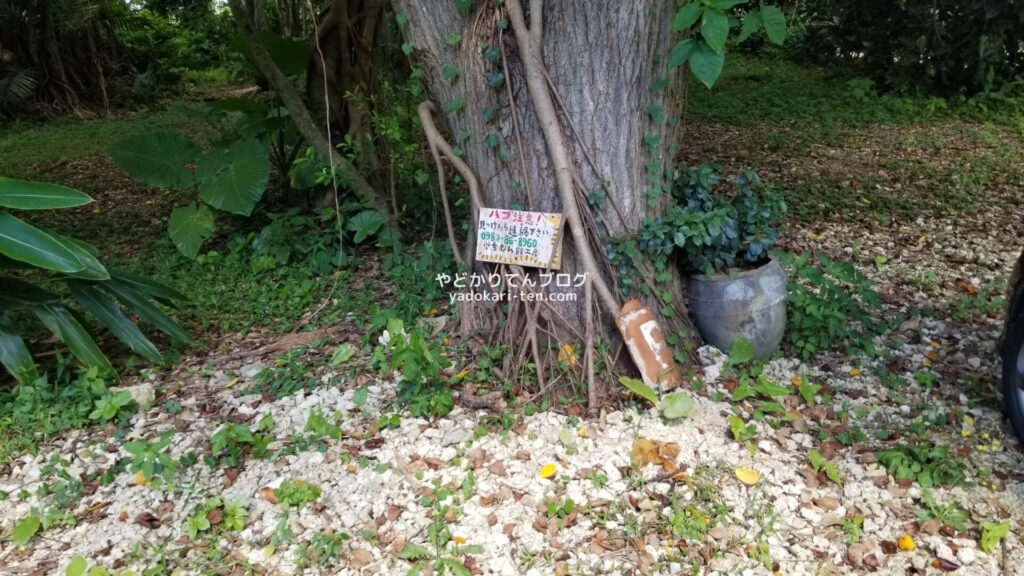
721 243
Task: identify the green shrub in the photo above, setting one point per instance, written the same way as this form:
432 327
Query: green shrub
829 305
31 256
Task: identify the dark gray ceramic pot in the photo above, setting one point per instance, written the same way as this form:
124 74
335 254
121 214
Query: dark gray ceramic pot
751 304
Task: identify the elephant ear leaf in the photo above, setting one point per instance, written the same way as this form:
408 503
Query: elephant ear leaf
234 181
14 355
26 243
189 225
58 320
156 158
26 195
109 313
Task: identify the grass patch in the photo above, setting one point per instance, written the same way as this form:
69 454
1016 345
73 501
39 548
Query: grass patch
766 89
28 149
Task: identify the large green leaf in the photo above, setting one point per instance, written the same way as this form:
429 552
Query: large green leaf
715 29
189 225
156 158
706 64
640 389
14 355
365 224
137 303
686 16
774 24
751 22
16 293
64 326
161 292
25 195
108 312
27 243
86 254
234 180
680 53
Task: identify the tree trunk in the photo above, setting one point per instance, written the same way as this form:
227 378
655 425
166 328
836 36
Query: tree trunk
616 101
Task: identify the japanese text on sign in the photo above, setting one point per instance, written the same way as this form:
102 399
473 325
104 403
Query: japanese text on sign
518 237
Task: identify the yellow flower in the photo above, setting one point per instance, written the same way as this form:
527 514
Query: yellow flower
905 543
567 355
855 371
548 471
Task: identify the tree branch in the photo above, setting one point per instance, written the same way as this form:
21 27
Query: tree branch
300 115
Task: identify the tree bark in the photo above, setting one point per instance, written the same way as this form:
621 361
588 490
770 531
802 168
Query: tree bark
614 97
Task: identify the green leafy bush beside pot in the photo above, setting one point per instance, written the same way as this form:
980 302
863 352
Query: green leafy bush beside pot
708 232
29 254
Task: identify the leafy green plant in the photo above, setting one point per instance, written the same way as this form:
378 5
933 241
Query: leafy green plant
296 494
950 513
420 362
560 509
323 550
707 232
703 47
151 459
673 405
231 180
216 513
819 464
741 431
109 404
27 251
928 465
829 305
232 441
992 533
853 529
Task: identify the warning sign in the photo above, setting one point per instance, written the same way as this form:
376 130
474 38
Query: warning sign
518 237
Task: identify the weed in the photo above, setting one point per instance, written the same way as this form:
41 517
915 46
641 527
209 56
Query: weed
296 494
830 305
819 464
323 550
950 513
852 529
151 460
928 465
216 514
420 361
232 440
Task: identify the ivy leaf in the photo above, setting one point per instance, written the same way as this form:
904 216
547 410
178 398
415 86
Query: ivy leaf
774 24
686 16
450 72
491 141
493 55
751 22
490 114
715 29
496 80
401 19
656 113
680 53
25 529
407 48
706 64
455 105
421 177
463 6
454 38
